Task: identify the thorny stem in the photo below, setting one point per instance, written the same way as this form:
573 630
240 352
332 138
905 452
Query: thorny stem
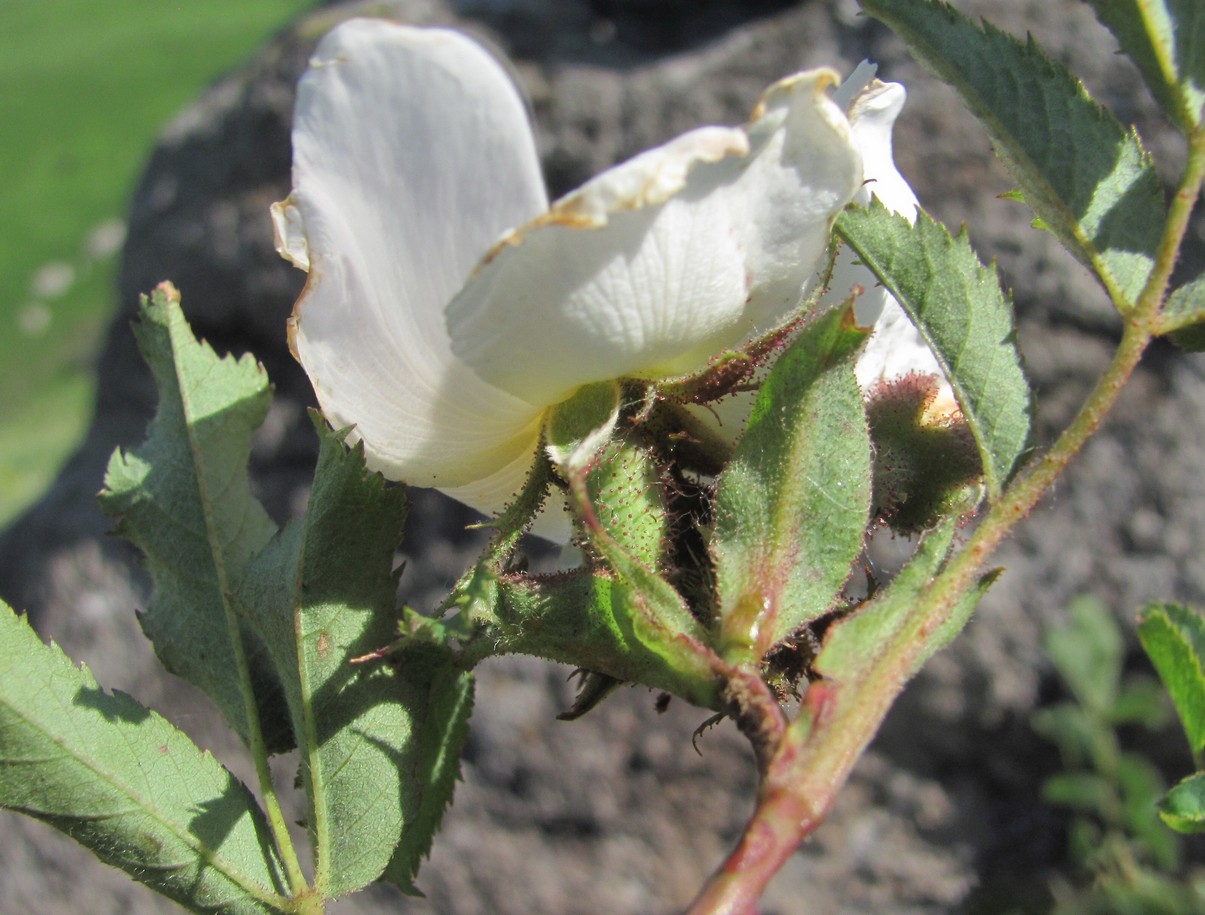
836 723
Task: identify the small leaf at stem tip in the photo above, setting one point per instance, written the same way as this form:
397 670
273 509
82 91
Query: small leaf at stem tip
792 507
966 319
128 786
184 498
1173 636
1183 807
1166 40
1084 175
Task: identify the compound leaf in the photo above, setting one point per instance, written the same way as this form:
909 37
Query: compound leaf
1085 176
1166 39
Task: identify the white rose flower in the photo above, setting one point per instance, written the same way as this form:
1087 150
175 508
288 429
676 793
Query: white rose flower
449 306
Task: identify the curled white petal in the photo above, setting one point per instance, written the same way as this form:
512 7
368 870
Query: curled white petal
658 264
412 153
871 118
896 347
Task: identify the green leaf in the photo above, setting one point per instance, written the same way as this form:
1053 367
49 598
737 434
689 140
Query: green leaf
1084 791
791 508
1166 39
853 644
1077 732
123 782
966 319
184 498
1183 807
1174 637
1141 786
1183 317
1088 654
1084 175
1142 701
439 737
322 593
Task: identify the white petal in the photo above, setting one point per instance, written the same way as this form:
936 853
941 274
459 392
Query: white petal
498 490
727 416
896 348
412 154
659 264
872 118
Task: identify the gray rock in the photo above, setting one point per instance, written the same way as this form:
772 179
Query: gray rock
616 812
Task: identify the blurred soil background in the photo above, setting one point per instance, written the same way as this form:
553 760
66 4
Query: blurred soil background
615 813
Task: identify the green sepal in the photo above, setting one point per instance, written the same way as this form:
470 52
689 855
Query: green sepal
597 622
792 507
184 498
575 430
622 519
1085 176
615 486
476 590
592 689
624 486
124 783
957 305
1173 635
1183 807
924 469
1166 40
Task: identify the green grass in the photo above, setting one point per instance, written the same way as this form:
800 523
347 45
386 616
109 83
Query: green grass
87 85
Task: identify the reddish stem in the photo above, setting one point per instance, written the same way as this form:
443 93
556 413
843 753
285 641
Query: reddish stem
815 755
787 812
